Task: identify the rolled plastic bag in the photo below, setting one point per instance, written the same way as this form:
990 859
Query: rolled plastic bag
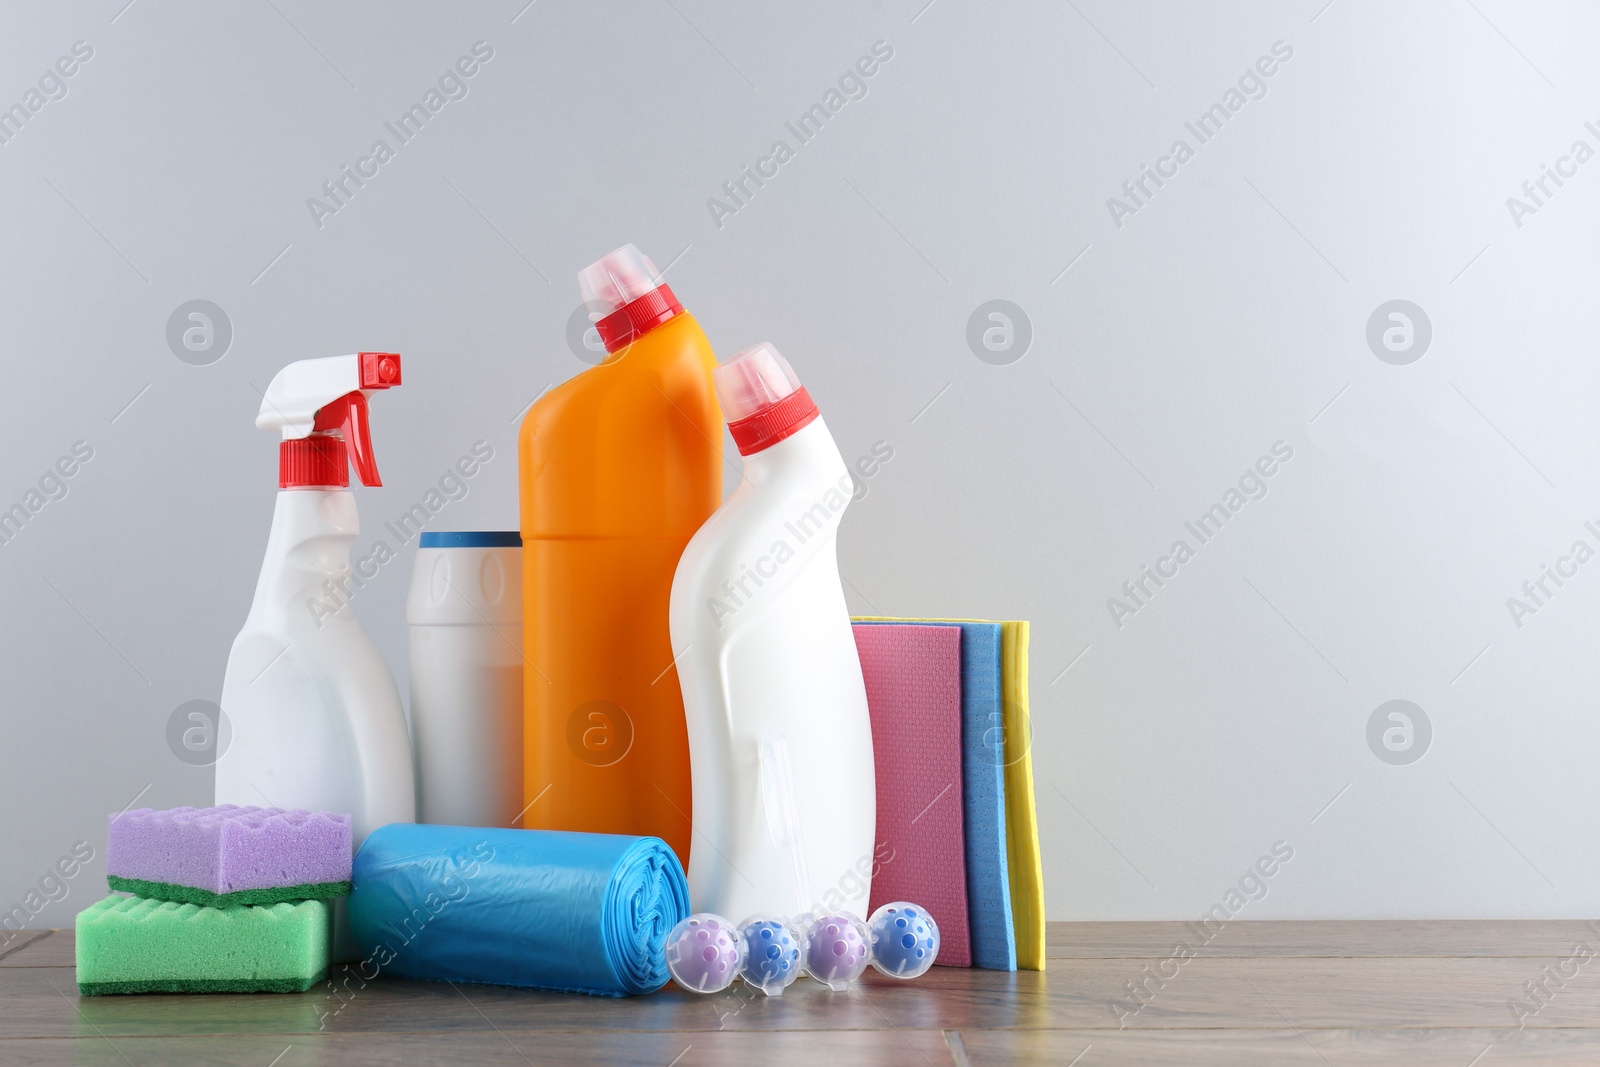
582 913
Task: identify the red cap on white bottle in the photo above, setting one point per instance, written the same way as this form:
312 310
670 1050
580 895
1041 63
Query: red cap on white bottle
761 398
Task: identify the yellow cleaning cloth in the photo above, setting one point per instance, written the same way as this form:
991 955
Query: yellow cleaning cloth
1022 826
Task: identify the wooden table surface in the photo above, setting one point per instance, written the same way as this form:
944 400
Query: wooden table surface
1331 993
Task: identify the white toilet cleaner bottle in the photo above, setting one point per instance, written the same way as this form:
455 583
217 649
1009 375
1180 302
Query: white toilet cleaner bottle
780 744
314 717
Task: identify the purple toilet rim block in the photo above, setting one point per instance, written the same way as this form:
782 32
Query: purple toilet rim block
226 855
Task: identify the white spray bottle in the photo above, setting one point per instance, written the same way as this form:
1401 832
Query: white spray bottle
780 743
315 716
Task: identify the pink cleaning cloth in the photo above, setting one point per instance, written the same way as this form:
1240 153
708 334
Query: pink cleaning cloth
913 676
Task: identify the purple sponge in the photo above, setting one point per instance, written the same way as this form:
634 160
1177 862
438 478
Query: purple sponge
227 855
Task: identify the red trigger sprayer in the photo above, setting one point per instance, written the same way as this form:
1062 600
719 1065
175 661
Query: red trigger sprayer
321 407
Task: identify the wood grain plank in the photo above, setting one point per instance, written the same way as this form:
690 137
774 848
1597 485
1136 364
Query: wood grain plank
1270 1048
1329 993
1253 938
42 1002
488 1049
1313 993
1077 995
47 948
1189 1048
20 940
1244 938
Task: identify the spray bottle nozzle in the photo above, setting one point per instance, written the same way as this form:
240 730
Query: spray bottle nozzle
379 370
320 405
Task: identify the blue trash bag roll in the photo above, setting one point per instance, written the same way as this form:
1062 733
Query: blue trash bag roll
582 913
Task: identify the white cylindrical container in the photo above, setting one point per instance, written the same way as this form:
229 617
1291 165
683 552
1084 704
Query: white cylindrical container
465 614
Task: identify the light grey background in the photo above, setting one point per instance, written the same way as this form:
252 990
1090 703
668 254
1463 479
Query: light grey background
1229 313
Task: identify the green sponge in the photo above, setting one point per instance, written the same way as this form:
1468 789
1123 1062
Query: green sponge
135 945
188 894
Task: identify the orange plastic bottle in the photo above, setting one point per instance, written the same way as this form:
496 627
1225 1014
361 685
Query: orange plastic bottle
619 466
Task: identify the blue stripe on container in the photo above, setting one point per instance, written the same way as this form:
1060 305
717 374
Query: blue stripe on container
471 539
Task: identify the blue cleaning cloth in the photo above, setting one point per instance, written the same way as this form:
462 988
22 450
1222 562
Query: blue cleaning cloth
581 913
994 941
